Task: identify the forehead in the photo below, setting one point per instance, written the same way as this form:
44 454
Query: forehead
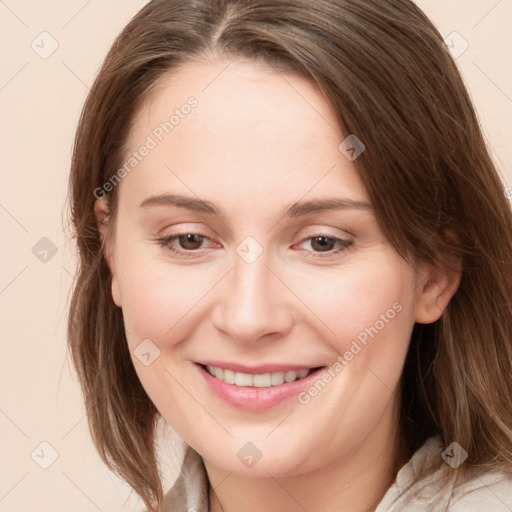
249 92
250 127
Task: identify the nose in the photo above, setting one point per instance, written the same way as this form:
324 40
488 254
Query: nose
253 303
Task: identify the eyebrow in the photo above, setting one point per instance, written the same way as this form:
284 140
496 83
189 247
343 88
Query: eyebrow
297 209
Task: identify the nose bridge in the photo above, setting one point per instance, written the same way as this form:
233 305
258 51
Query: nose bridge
252 302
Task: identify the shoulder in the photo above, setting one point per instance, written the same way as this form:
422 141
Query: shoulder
190 489
427 483
478 490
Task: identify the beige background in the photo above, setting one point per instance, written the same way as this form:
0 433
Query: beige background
41 99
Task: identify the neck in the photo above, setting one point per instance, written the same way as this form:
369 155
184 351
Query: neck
358 480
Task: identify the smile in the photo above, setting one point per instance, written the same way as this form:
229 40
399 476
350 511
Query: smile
265 387
261 380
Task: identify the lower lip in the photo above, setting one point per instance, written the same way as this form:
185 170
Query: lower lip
252 398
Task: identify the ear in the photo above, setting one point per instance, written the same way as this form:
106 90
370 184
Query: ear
101 212
436 288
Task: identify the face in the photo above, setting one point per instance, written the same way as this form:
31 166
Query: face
245 242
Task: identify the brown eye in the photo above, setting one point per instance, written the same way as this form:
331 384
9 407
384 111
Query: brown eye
190 241
184 244
323 243
328 245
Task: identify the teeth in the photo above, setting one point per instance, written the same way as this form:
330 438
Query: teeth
263 380
277 378
229 376
242 379
290 376
302 373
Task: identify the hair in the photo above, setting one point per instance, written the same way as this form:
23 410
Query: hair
437 194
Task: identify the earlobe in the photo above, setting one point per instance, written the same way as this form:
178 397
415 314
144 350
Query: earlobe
101 212
116 292
437 287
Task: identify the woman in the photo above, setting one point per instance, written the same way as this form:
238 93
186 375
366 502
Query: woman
296 251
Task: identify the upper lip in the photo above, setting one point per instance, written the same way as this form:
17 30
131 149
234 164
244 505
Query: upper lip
258 369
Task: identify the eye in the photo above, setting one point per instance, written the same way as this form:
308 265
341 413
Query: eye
189 242
327 244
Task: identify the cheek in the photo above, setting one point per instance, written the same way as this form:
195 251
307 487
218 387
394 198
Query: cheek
161 301
360 302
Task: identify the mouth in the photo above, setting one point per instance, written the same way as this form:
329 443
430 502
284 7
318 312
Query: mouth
256 389
258 380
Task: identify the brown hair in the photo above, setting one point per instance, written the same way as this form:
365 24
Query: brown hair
383 69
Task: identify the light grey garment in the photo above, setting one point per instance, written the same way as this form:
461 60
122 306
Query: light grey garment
425 484
189 492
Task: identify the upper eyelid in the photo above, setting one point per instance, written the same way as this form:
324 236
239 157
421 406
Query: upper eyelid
174 236
317 230
310 216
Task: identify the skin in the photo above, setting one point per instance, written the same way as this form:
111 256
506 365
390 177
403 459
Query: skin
257 142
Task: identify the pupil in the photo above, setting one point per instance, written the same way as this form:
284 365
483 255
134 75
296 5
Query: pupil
325 242
189 239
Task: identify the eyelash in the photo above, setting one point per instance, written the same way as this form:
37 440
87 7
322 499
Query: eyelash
165 242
